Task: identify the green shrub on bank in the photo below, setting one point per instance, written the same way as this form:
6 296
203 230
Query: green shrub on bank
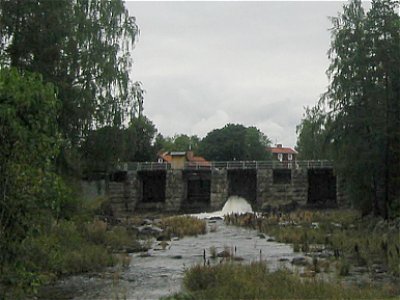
254 281
64 250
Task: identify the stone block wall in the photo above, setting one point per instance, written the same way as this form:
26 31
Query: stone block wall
174 190
264 183
275 195
119 194
219 188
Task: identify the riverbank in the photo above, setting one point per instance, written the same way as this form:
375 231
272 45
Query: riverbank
255 281
339 235
121 240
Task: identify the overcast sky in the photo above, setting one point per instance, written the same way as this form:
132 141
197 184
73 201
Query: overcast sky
206 64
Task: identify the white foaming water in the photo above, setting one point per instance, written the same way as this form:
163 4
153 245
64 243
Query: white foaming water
234 204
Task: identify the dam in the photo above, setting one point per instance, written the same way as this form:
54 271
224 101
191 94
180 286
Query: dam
194 188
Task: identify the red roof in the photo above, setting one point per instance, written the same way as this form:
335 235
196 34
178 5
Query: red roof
283 150
166 156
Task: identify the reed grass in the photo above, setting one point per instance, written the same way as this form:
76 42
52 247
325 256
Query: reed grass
254 281
181 226
358 241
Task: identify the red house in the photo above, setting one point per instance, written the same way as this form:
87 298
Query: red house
283 154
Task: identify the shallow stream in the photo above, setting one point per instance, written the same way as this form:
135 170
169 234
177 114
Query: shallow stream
161 272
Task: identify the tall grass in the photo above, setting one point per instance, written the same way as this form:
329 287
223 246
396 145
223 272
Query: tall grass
358 241
180 226
254 281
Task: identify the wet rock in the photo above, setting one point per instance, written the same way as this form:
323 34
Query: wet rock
324 255
379 269
147 222
215 218
299 261
315 225
283 259
261 236
145 254
212 222
238 258
163 238
149 230
271 239
177 257
224 253
162 246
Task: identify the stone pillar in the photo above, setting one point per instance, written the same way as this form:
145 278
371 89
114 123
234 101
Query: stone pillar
264 183
134 189
174 190
300 186
219 188
341 194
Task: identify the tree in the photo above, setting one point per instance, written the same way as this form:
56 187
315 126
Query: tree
29 145
83 48
235 142
180 142
104 147
139 140
363 98
312 139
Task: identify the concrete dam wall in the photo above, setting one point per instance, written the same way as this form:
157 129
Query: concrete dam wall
207 189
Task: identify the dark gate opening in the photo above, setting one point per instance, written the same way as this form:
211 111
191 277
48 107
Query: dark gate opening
282 176
153 186
198 190
321 188
243 183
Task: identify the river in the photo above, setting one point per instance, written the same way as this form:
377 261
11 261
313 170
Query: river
161 272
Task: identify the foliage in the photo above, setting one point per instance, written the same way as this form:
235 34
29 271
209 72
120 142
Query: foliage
361 122
235 142
83 48
139 137
104 147
28 108
254 281
179 142
312 140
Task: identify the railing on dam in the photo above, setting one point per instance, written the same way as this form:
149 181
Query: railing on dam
229 165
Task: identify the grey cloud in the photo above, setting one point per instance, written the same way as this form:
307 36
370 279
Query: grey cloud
205 64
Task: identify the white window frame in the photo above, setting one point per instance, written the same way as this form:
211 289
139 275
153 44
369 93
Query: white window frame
280 156
290 156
